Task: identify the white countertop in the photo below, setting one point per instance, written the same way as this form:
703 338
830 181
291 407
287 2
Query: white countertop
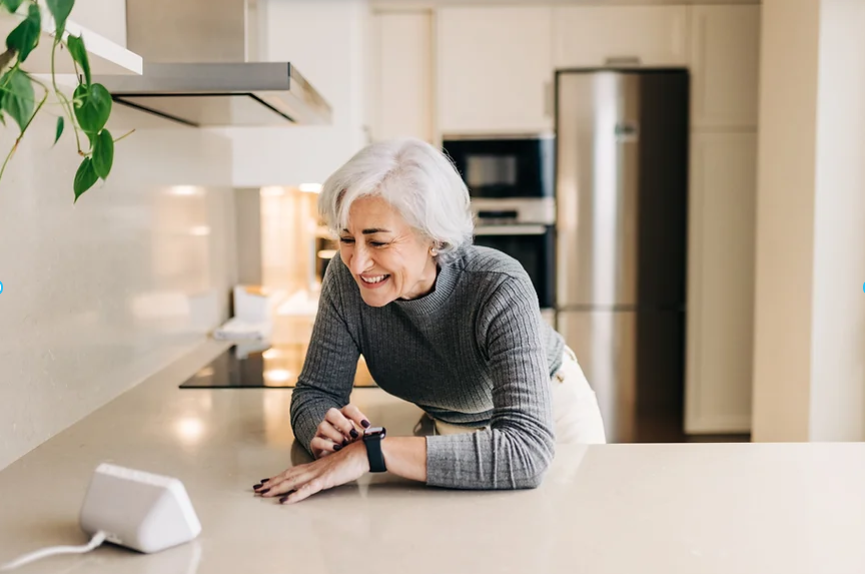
688 508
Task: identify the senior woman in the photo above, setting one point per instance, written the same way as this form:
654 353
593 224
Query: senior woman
451 327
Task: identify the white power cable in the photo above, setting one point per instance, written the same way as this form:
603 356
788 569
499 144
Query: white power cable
97 540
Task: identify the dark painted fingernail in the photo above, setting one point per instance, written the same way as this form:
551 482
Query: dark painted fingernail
257 486
264 491
337 446
284 498
345 442
263 480
353 433
365 423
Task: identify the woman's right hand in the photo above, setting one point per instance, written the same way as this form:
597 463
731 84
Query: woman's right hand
338 429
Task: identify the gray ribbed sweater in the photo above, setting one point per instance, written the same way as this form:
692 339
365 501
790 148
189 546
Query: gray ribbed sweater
473 352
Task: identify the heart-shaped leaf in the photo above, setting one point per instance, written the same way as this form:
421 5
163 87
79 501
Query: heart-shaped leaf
25 37
17 96
85 177
103 154
79 54
59 129
11 5
94 108
60 10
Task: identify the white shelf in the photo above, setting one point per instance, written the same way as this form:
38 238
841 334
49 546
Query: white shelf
106 57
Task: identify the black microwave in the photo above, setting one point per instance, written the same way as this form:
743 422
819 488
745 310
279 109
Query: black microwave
504 167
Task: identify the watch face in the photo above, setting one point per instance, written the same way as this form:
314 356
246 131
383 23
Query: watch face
374 431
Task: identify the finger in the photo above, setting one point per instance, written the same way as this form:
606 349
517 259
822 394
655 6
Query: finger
324 444
317 453
342 424
304 492
290 483
267 483
354 414
327 430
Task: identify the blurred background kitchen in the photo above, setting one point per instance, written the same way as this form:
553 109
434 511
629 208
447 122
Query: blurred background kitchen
678 177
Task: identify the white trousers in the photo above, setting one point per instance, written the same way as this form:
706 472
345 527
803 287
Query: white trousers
576 414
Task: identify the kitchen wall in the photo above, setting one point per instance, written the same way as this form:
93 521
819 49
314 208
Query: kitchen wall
288 231
809 371
838 369
328 43
100 294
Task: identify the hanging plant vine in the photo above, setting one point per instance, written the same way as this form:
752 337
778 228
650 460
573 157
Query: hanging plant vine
87 111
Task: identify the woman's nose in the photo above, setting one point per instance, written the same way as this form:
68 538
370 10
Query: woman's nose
359 260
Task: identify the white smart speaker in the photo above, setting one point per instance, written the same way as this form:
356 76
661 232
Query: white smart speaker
139 510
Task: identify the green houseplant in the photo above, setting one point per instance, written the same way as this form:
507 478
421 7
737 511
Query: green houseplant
22 96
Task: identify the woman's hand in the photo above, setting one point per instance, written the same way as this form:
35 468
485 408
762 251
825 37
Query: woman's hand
300 482
338 429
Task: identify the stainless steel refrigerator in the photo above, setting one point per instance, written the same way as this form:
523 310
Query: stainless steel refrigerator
621 245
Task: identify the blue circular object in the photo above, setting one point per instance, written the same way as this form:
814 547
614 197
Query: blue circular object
1 286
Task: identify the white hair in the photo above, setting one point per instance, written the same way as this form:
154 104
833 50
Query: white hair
418 180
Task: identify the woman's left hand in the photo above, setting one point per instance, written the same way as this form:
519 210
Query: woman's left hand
300 482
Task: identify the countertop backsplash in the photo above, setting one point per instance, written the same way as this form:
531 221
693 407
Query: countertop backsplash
101 294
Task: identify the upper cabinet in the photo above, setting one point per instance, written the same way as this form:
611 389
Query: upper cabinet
590 36
105 17
106 48
494 70
725 60
401 102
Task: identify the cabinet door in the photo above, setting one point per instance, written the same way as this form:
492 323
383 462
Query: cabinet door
721 254
494 70
588 36
402 75
725 61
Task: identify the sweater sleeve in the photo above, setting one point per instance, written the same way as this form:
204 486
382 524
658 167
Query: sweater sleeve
519 445
330 365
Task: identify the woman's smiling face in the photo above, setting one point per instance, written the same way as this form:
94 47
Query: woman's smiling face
388 258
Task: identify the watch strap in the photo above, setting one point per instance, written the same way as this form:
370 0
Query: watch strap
374 454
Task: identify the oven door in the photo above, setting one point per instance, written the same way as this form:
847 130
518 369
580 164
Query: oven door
532 246
504 168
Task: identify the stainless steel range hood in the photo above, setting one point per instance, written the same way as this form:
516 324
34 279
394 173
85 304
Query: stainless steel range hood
196 70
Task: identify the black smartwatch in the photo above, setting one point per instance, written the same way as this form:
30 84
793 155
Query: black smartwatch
372 438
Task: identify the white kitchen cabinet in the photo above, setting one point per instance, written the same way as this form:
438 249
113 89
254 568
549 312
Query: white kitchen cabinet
725 60
721 255
402 75
588 36
104 40
105 17
494 70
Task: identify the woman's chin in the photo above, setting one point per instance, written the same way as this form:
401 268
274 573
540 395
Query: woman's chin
376 301
374 298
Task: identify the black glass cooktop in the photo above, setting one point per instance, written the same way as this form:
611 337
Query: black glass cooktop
237 368
263 366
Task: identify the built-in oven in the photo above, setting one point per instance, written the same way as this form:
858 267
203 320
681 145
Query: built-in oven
532 246
504 167
525 230
510 181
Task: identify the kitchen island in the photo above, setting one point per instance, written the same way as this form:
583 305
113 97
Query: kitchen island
677 508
